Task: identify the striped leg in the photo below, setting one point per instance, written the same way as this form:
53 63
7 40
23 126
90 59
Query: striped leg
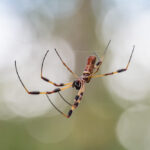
77 100
56 107
47 92
47 80
119 70
74 74
38 92
99 63
74 106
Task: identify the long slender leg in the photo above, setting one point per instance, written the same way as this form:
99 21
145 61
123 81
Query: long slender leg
119 70
56 107
74 74
77 100
38 92
47 80
100 61
64 99
74 106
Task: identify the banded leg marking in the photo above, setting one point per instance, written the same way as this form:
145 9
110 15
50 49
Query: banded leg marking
119 70
74 106
77 100
65 115
38 92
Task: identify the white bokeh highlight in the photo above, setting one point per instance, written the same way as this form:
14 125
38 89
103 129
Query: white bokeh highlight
48 130
31 106
13 37
133 129
17 42
127 27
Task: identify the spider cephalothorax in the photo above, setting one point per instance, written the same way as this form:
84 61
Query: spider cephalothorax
89 72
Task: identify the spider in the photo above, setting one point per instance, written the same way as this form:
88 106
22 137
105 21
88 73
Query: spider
91 68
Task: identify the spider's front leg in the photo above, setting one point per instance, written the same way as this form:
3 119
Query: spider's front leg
38 92
47 80
117 71
74 74
48 92
100 61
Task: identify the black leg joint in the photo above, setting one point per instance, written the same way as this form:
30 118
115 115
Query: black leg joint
69 113
77 97
98 63
61 84
57 90
76 104
34 92
45 79
121 70
81 93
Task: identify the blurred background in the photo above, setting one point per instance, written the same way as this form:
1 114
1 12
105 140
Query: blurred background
115 110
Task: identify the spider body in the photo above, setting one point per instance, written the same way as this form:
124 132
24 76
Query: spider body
89 72
89 69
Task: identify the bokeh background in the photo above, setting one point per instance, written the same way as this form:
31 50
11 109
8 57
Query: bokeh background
115 111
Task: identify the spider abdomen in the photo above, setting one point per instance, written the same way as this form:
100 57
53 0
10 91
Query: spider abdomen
89 69
90 65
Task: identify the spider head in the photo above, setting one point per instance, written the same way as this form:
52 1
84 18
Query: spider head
77 84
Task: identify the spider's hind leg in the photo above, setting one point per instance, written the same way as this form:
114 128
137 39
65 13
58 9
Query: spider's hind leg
38 92
77 100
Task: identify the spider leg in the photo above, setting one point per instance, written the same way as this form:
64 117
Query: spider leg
47 80
56 107
100 61
64 99
77 100
38 92
119 70
74 74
